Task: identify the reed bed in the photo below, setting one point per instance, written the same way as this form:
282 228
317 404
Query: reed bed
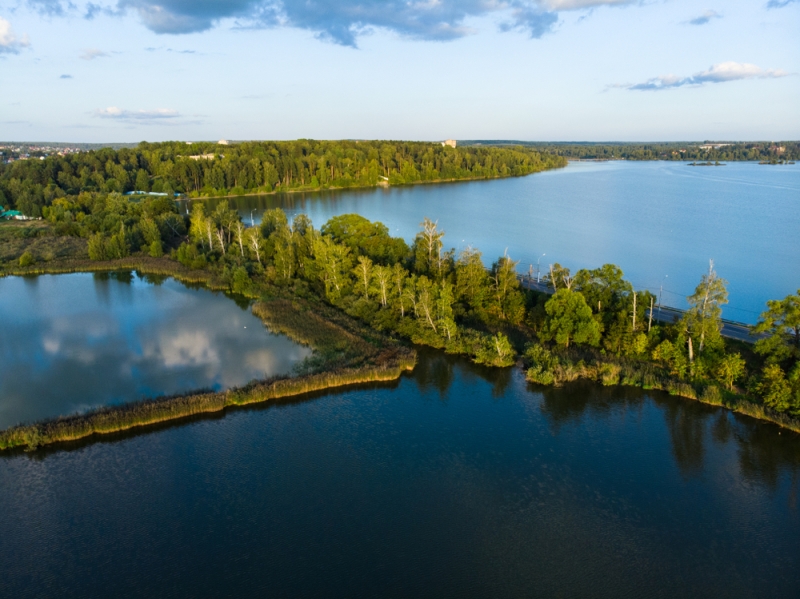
348 358
148 412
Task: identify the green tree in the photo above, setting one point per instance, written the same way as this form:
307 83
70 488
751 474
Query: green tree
703 319
381 285
334 263
142 180
671 356
781 322
730 368
496 351
559 277
197 225
366 238
472 281
97 247
569 319
428 249
363 275
774 389
444 311
507 302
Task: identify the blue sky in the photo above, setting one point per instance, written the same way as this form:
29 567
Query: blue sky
131 70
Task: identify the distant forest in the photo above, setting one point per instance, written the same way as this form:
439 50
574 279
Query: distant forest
762 151
211 169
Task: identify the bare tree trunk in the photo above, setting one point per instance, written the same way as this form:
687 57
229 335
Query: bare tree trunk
210 237
221 238
239 235
254 244
650 322
634 312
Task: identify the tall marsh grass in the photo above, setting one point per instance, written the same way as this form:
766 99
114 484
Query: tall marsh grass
350 357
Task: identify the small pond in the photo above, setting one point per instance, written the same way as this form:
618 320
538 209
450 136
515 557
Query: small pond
74 342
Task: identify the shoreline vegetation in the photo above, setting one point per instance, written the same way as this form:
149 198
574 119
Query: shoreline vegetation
345 354
357 296
207 169
765 152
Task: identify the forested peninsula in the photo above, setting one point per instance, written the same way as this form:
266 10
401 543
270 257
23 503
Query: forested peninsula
358 296
210 169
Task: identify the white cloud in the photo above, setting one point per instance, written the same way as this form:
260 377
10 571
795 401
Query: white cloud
112 112
10 43
92 53
718 73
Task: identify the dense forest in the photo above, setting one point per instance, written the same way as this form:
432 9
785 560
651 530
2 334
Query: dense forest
593 325
765 151
209 169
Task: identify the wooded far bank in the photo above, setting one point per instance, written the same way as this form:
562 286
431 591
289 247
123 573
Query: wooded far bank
208 169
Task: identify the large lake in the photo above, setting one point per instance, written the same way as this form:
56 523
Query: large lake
455 482
659 221
73 342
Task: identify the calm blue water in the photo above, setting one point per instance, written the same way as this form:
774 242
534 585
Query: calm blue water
660 222
455 482
74 342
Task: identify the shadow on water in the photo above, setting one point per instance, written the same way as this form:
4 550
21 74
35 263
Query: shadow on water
571 403
765 451
436 370
687 431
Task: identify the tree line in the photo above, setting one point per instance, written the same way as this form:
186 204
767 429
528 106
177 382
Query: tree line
678 151
208 169
434 296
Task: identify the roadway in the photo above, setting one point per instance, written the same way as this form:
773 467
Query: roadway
730 329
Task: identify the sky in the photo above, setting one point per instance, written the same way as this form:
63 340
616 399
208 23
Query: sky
537 70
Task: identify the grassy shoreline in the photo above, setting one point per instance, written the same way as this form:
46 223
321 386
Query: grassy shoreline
349 355
606 371
380 184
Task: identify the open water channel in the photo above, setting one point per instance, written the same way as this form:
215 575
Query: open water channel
455 481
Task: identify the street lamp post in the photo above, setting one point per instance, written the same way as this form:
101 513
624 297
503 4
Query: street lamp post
538 269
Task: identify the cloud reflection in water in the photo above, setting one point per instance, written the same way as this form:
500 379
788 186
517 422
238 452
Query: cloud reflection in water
68 346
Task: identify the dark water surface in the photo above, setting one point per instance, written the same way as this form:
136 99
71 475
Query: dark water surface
455 482
659 221
74 342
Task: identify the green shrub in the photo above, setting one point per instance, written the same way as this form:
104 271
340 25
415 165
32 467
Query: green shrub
26 259
156 251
